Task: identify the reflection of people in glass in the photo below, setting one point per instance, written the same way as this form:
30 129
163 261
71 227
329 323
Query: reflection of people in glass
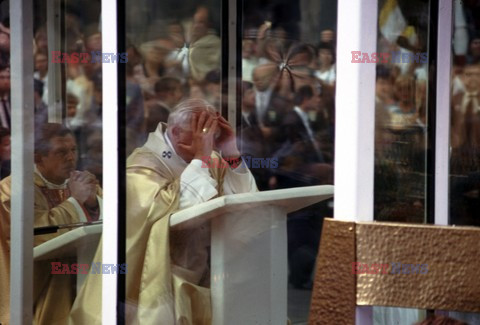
204 55
5 152
326 56
63 195
302 163
251 141
403 113
168 91
168 272
465 142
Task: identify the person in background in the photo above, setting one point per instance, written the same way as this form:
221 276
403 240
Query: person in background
302 163
5 111
41 71
5 152
249 135
168 92
62 195
326 59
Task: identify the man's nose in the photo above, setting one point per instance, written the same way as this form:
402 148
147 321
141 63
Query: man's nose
71 156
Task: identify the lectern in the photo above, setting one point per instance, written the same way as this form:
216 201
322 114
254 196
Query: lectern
80 243
249 251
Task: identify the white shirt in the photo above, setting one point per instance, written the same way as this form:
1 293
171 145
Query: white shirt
304 117
262 98
473 97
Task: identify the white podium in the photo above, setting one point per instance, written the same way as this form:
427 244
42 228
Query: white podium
249 251
81 243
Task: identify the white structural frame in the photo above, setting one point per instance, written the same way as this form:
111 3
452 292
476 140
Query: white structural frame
354 147
55 88
110 161
232 62
355 117
355 111
21 218
442 130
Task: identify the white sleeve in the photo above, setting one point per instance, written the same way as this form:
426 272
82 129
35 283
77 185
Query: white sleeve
81 214
196 185
239 180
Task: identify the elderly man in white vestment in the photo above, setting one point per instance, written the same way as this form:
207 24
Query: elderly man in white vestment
168 271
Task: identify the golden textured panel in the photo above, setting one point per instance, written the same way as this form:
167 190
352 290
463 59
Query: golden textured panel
452 254
333 297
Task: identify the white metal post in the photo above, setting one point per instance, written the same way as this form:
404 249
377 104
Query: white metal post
355 111
232 62
54 69
442 130
21 232
355 117
110 160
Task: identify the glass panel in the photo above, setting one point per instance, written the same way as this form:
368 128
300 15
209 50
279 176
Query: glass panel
67 182
174 55
287 116
465 117
401 124
400 111
464 124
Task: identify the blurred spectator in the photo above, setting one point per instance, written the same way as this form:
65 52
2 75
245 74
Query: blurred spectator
249 135
466 109
40 40
301 159
204 55
4 38
213 88
263 82
403 112
41 109
5 111
168 91
176 62
93 38
473 55
5 153
154 53
327 36
249 58
196 90
326 58
134 110
41 71
72 104
301 163
80 83
383 100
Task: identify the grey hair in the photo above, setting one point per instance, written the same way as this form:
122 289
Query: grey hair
182 113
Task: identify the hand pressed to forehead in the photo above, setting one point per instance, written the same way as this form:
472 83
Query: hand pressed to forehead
203 127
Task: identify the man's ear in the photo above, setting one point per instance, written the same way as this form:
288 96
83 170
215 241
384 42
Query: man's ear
176 131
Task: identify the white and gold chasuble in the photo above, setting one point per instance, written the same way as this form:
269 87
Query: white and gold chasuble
158 289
